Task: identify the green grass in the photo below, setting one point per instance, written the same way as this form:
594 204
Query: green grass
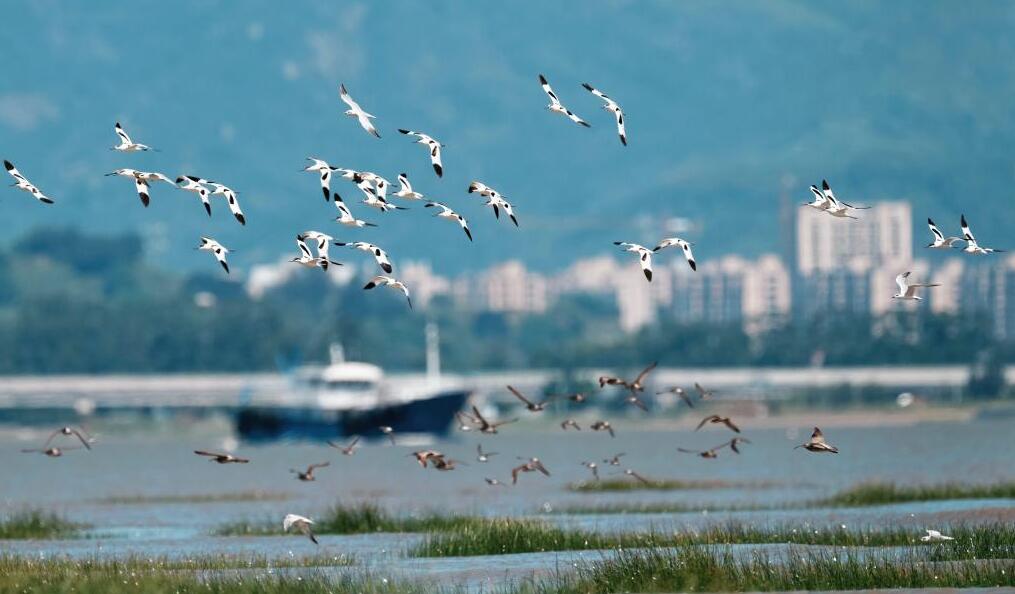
631 484
195 498
356 519
885 493
12 564
36 524
717 570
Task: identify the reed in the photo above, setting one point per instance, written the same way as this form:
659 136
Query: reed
356 519
631 484
886 493
36 524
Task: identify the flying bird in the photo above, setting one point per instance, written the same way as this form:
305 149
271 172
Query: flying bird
388 431
644 256
593 468
347 450
69 431
230 196
324 169
210 245
714 452
196 185
308 474
495 200
486 426
447 213
355 111
679 393
718 420
703 394
345 217
380 255
971 246
430 143
494 482
530 465
556 106
636 476
142 181
634 386
570 423
611 106
22 183
818 444
907 290
405 190
603 426
304 525
684 245
482 456
381 280
126 144
615 460
222 458
820 201
530 405
51 452
940 241
307 259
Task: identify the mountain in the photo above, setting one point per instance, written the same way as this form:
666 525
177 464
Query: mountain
728 103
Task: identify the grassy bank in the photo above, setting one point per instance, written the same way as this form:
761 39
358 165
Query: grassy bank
887 493
356 519
13 564
631 484
36 524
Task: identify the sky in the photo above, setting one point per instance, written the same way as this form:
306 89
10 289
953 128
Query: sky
729 106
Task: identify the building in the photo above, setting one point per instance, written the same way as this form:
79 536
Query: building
879 236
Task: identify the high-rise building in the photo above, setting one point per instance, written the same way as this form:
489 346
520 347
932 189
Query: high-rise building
879 236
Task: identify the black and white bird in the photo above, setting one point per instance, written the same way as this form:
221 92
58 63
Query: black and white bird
196 185
557 107
142 181
304 525
322 241
818 444
126 144
380 255
836 207
382 281
907 290
940 241
495 200
432 144
971 246
22 183
820 201
210 245
644 256
684 245
306 258
230 196
612 107
355 111
321 167
83 437
447 213
345 217
405 190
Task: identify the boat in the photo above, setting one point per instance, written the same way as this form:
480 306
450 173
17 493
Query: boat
346 398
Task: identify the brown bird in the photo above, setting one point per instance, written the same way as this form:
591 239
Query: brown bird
308 475
615 460
222 458
602 426
532 406
51 452
635 386
486 426
466 421
389 431
733 443
347 450
703 394
444 464
817 443
714 452
425 456
531 465
570 423
680 393
578 397
637 476
85 441
593 467
715 420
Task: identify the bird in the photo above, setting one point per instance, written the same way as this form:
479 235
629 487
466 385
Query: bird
615 460
347 450
684 245
380 255
577 397
433 145
447 213
308 474
907 291
638 477
820 201
494 482
703 394
234 205
51 452
22 183
355 111
530 465
306 258
612 107
196 185
482 456
530 405
678 392
210 245
837 207
636 386
222 458
495 200
717 420
735 441
633 399
381 280
940 241
570 423
324 169
405 190
423 457
126 144
593 468
971 246
602 426
817 443
302 524
644 256
557 107
482 189
444 464
486 426
714 452
142 181
322 241
345 217
935 536
68 431
389 431
465 421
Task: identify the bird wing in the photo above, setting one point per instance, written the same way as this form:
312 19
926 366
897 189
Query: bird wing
303 247
84 442
435 158
688 254
646 264
620 125
707 419
645 372
123 135
729 423
967 234
347 99
318 465
933 229
548 90
817 436
539 466
479 416
210 454
519 396
901 281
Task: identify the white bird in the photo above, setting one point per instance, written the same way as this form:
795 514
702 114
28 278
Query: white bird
482 189
345 217
907 291
196 185
556 106
210 245
495 200
320 166
644 256
940 241
432 144
935 536
126 144
355 111
380 255
304 525
323 241
971 246
612 107
307 259
405 189
230 195
142 179
24 184
684 245
820 200
447 213
374 201
380 280
378 183
836 207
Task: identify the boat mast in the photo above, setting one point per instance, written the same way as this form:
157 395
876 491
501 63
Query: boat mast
433 354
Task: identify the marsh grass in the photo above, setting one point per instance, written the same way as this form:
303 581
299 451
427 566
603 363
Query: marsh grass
36 524
13 564
362 518
631 484
867 494
239 496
